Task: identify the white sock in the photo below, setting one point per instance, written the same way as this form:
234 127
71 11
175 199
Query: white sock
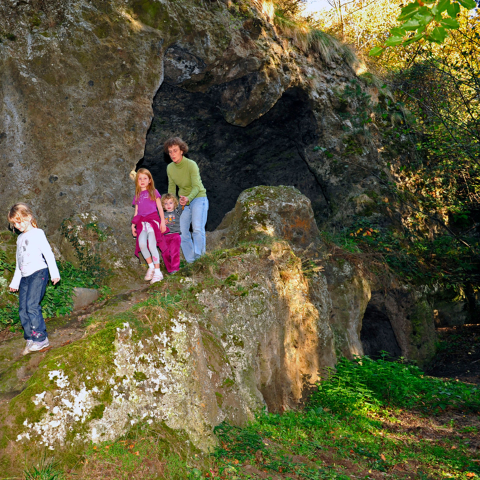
150 265
157 271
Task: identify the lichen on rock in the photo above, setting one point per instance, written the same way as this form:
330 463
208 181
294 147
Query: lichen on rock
246 327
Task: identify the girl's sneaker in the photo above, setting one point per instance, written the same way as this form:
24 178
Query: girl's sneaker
156 278
149 274
26 350
37 346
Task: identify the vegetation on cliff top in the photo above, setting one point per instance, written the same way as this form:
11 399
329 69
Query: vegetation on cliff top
428 120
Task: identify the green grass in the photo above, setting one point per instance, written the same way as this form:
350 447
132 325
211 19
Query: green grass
353 426
45 470
369 417
365 385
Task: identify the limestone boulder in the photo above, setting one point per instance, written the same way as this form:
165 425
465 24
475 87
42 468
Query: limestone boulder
262 212
82 297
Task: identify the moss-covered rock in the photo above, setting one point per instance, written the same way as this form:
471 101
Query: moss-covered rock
263 213
247 326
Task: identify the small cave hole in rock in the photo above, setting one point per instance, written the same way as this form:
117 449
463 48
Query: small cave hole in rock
269 151
377 334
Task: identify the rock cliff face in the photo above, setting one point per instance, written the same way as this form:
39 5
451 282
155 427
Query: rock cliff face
250 325
90 90
79 79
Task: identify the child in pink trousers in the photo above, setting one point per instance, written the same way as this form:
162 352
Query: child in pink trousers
171 256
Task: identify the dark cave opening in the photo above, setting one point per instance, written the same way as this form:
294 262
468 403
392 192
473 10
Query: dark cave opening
269 151
377 334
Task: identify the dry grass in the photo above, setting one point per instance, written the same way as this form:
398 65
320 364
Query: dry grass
309 39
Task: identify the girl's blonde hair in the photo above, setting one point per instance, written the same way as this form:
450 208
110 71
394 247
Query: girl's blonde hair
169 196
19 212
151 185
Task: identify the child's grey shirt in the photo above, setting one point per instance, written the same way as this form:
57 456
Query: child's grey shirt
172 219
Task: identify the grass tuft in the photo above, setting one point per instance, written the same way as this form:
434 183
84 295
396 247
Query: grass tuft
45 470
307 38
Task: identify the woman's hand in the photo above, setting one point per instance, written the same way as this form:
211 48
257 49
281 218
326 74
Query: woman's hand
134 230
13 289
55 280
163 227
183 200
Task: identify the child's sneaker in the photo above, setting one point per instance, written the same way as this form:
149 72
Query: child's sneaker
156 278
149 274
26 350
37 346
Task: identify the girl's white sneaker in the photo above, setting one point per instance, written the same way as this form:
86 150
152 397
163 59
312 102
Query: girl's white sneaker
149 274
26 350
37 346
156 278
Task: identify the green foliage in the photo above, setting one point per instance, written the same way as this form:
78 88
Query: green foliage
9 317
246 443
248 446
427 20
84 240
435 187
416 258
349 421
365 385
45 470
4 264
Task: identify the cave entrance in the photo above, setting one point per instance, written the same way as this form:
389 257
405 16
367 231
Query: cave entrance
271 150
377 334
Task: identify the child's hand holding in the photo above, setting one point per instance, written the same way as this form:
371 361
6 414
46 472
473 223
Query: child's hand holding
13 289
163 227
134 230
55 280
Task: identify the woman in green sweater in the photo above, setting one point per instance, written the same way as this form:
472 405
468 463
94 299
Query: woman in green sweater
184 174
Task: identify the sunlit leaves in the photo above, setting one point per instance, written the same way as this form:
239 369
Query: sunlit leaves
393 41
453 9
409 11
440 7
438 34
469 4
450 23
376 51
411 24
422 22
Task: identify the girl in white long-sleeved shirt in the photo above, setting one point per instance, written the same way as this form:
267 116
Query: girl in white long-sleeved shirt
34 255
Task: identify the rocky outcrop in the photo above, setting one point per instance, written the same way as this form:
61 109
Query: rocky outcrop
363 316
250 325
79 79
